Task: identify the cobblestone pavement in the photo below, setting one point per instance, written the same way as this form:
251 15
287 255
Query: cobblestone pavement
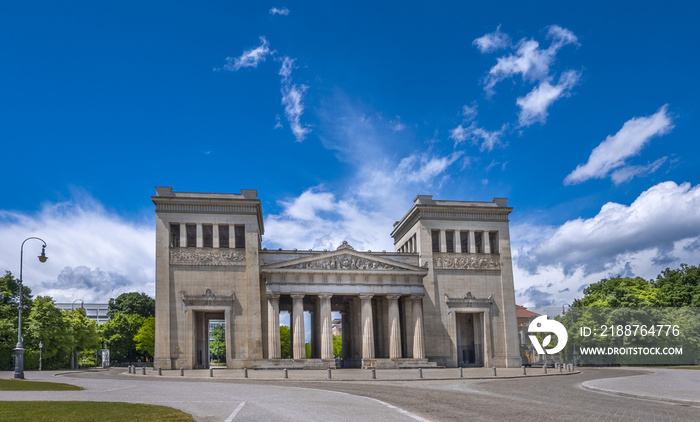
438 397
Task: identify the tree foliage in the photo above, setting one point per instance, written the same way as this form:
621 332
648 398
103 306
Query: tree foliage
285 342
118 335
9 313
337 346
132 303
51 326
145 337
217 345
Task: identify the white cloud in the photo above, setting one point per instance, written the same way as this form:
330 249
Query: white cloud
492 41
292 99
659 218
625 174
533 106
283 11
627 142
94 255
487 140
249 58
469 112
397 125
529 61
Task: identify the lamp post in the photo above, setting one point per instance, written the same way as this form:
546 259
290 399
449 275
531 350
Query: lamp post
19 349
41 349
72 353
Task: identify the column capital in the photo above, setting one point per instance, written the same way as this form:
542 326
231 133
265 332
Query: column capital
273 296
297 295
325 295
366 296
393 297
416 297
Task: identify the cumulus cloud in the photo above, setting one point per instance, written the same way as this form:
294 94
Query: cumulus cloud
658 219
93 254
249 58
492 41
292 100
613 152
283 11
533 106
529 61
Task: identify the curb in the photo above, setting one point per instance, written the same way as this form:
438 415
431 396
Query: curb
641 396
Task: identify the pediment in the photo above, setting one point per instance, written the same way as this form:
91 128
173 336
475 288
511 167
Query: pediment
342 260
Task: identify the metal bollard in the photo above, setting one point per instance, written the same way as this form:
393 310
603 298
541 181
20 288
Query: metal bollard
211 372
561 368
374 374
143 370
524 370
245 372
129 368
545 368
494 371
182 371
286 374
328 373
420 372
461 373
160 372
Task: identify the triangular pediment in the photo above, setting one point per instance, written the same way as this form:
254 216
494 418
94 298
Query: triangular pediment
344 260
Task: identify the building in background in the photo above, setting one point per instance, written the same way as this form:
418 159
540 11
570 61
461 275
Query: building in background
444 297
94 311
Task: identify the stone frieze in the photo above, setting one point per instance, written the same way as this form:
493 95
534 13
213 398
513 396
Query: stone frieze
199 256
345 262
458 261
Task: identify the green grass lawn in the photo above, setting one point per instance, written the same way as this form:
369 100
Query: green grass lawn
24 385
76 411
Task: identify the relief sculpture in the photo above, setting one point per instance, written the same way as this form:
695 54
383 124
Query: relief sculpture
206 257
466 262
345 263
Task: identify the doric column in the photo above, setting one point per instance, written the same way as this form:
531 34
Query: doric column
443 241
394 328
200 238
458 241
274 350
472 242
183 235
298 343
215 236
326 327
486 241
417 311
367 327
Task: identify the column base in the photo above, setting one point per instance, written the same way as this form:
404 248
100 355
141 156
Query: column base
403 363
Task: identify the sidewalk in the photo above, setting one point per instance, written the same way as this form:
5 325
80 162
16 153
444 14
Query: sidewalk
673 385
348 374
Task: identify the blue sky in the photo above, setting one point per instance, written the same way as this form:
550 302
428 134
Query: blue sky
581 113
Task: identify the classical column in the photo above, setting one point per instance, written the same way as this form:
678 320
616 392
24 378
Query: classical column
443 241
417 311
394 328
298 343
183 235
326 327
200 238
486 240
274 350
215 236
458 241
472 242
367 327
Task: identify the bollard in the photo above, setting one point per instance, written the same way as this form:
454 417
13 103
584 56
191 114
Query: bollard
286 374
129 368
245 372
461 374
328 373
143 370
545 368
211 372
561 369
160 372
420 372
374 374
524 370
494 371
182 371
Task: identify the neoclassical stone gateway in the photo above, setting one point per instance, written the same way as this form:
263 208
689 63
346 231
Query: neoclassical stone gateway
444 297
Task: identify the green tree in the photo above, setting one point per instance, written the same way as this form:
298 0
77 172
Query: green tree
84 331
337 346
118 335
217 346
618 292
285 342
132 303
48 324
307 347
9 313
145 338
679 287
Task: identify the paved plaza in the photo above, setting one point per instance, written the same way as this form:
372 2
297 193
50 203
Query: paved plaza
395 395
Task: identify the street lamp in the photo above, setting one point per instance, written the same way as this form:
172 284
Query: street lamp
19 349
41 349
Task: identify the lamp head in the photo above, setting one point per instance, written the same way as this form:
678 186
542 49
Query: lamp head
43 257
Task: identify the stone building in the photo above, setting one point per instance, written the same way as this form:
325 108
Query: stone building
443 297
